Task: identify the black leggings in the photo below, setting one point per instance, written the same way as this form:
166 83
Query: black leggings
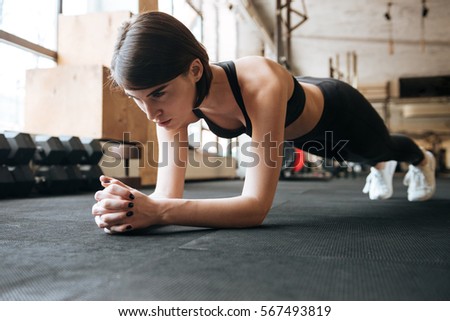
351 130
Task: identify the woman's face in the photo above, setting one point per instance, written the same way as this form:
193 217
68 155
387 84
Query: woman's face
169 105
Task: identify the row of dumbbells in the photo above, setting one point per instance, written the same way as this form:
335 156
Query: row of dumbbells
48 164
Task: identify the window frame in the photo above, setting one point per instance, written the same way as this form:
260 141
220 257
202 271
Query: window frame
32 47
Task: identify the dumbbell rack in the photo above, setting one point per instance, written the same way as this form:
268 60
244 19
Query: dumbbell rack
48 165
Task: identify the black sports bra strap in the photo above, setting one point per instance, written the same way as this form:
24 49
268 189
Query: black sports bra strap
230 70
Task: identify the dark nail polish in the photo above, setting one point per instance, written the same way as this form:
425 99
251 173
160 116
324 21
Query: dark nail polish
130 213
129 227
130 204
107 181
131 197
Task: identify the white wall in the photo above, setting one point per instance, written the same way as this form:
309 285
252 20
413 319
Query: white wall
335 27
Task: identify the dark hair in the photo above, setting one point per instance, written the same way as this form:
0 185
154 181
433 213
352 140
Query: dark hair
153 48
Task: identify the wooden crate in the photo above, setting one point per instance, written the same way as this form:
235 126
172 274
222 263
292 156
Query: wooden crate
88 39
77 100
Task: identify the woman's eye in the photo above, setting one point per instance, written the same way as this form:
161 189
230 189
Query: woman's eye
158 94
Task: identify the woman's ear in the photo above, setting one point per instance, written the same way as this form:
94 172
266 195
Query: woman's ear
196 69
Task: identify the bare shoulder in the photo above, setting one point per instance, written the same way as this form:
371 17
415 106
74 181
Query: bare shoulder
261 79
258 73
258 68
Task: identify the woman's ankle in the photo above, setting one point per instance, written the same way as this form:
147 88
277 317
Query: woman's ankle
380 166
424 161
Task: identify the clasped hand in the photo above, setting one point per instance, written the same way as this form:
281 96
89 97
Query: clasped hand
121 208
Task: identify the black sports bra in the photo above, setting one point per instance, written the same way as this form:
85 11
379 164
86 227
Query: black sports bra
295 105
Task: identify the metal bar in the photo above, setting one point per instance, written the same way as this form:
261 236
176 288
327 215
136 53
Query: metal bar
304 9
355 70
197 11
349 68
297 25
301 14
387 111
279 34
338 67
289 31
304 16
331 68
284 22
284 54
27 45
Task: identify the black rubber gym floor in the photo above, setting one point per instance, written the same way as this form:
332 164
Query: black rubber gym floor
321 241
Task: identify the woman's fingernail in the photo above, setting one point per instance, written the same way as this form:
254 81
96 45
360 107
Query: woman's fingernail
130 204
107 181
129 227
131 196
130 213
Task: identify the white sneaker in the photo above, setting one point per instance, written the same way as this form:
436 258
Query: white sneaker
421 180
379 182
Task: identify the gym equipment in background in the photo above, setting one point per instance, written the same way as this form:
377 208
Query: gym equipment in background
48 164
17 178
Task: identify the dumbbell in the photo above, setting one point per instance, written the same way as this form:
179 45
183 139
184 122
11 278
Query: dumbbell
75 151
6 182
67 164
50 150
50 174
5 149
24 180
75 155
22 148
90 169
6 179
21 151
94 151
52 179
58 160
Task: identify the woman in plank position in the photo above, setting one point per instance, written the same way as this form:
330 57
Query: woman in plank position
158 63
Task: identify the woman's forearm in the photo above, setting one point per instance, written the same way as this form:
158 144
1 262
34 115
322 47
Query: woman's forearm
233 212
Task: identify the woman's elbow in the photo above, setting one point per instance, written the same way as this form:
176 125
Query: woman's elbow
262 216
255 211
258 215
255 221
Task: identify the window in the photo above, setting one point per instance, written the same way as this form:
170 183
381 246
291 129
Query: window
79 7
32 20
13 65
188 12
35 22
